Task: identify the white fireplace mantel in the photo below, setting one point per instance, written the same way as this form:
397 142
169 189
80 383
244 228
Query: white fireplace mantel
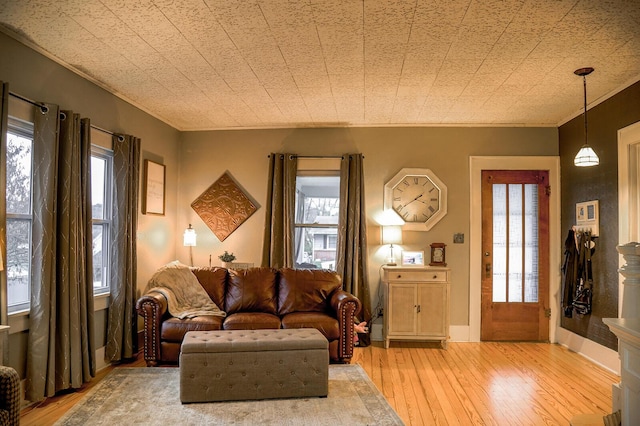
628 332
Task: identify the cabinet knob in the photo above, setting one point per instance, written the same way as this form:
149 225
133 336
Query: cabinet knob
399 276
435 276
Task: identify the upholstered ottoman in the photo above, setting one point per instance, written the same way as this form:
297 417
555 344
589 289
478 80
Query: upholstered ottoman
253 364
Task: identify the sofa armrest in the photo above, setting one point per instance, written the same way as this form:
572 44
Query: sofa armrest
152 307
346 306
9 396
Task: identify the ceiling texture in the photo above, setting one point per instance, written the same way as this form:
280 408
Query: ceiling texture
232 64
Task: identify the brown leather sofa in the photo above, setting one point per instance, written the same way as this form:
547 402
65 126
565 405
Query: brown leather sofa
256 298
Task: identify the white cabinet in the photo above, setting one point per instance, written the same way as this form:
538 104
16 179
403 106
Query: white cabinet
416 304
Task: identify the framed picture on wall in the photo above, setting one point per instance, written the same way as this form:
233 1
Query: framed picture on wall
153 188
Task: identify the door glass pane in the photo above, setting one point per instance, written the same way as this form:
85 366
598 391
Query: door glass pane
515 243
531 243
499 243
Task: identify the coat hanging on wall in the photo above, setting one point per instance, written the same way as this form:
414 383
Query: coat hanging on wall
578 276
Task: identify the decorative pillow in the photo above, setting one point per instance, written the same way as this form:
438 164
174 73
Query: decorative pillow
251 290
306 290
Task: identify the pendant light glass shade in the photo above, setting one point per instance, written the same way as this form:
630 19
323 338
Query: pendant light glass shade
586 157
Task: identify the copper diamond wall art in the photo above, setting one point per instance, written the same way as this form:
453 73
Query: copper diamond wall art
224 206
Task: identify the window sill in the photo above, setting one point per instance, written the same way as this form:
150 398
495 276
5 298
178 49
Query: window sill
19 321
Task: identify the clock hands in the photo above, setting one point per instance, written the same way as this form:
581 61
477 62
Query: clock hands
415 199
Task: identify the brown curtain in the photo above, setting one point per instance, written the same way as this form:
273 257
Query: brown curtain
4 118
61 343
122 322
352 234
278 246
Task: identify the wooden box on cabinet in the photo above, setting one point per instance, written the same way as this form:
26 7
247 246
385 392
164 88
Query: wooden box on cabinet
416 304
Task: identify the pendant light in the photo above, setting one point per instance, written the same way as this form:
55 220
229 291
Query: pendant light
586 157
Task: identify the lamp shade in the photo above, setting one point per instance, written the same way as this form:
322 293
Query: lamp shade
190 237
586 157
392 234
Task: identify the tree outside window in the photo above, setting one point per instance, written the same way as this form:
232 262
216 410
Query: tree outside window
19 213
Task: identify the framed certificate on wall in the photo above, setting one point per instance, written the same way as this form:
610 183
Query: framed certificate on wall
153 188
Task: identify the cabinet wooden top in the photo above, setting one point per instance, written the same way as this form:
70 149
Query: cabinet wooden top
415 268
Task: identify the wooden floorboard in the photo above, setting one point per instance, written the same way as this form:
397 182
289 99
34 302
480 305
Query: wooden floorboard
467 384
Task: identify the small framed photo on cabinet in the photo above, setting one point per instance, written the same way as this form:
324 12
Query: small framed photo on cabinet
412 258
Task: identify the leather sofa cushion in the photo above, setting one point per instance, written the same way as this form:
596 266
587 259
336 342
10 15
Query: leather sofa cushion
213 280
251 290
306 290
324 323
174 329
251 321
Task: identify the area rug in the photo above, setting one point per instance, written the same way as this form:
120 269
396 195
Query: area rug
151 396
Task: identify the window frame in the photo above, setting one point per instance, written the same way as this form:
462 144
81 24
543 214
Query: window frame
317 167
25 129
106 223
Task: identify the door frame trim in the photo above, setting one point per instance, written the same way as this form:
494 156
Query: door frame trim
628 139
476 165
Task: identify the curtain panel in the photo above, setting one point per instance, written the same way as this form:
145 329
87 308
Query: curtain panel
352 234
280 211
4 117
61 343
122 324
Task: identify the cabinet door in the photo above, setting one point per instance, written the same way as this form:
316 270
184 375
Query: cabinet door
432 300
402 309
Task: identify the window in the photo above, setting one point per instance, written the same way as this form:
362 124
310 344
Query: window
19 213
101 195
317 213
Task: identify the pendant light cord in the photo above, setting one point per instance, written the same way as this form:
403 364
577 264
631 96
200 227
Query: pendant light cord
584 81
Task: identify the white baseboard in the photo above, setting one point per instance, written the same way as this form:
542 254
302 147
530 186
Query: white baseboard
595 352
376 332
459 333
100 362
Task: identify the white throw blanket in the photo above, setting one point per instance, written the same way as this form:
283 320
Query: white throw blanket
185 296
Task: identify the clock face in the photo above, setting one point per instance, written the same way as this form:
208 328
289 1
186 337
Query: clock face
438 255
418 197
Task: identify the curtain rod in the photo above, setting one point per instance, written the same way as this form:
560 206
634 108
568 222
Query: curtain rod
315 156
40 105
100 129
45 109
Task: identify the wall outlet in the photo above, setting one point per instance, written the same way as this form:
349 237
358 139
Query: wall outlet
458 238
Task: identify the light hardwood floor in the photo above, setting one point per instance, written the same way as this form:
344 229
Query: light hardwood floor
468 383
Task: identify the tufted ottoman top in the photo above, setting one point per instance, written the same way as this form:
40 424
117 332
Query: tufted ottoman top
253 340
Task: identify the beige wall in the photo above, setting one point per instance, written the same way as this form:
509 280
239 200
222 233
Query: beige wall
204 156
194 160
35 77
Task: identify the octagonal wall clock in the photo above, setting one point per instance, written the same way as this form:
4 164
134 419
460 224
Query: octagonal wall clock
418 196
